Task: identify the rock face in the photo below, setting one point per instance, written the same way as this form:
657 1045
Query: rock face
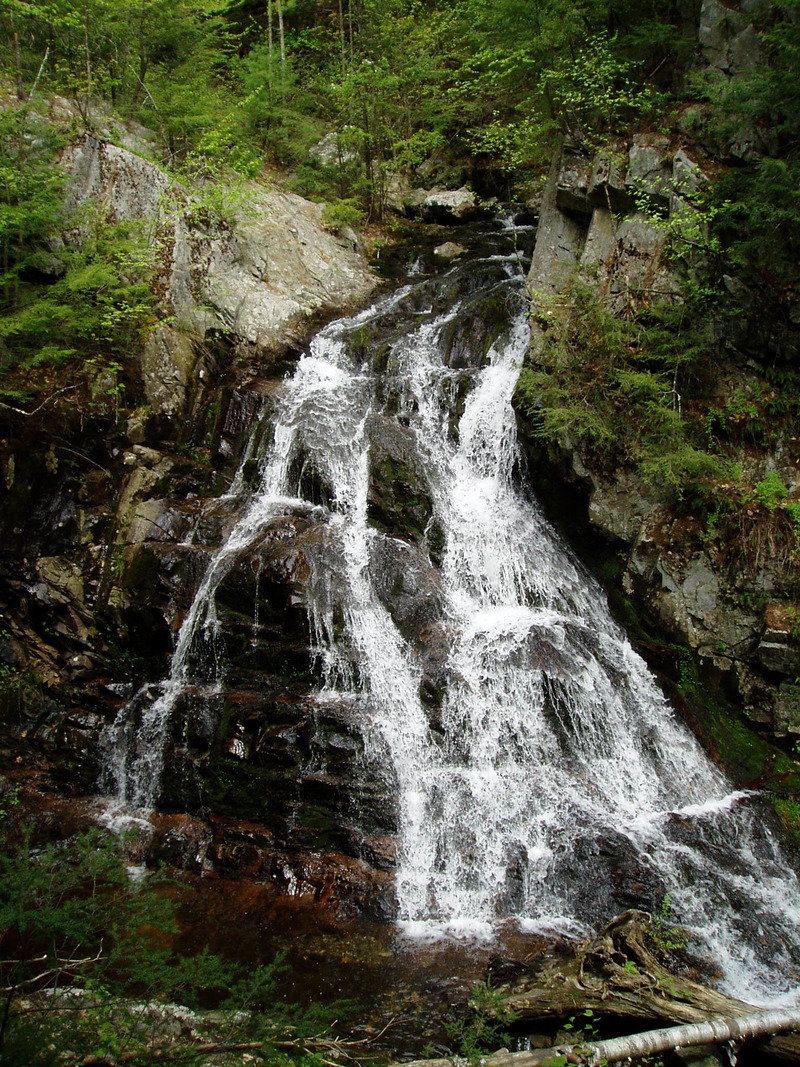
250 266
263 777
101 531
591 230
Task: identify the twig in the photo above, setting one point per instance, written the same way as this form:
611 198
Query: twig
80 455
27 414
59 966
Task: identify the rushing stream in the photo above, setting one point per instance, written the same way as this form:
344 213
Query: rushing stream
550 778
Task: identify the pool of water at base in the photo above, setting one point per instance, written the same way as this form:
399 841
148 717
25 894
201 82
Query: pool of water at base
402 992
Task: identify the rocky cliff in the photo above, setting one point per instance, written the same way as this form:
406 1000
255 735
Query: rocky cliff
109 507
724 589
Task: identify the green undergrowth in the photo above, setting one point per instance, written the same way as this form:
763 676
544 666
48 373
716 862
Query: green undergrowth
75 290
485 1026
89 963
637 393
614 386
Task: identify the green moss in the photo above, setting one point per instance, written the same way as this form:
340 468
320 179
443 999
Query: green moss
398 502
788 811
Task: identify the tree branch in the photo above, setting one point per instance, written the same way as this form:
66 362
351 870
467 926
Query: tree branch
27 414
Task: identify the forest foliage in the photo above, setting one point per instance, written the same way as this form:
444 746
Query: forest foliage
420 90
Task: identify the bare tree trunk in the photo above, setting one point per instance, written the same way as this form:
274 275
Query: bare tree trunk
279 4
41 68
341 33
269 35
18 64
88 60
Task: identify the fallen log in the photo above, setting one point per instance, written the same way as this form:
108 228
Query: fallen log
633 1048
714 1032
619 980
618 976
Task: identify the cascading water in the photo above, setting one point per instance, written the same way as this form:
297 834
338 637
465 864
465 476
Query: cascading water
552 778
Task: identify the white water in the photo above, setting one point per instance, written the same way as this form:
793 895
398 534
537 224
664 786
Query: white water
558 776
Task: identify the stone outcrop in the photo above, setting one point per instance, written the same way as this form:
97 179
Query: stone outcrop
249 265
447 206
592 231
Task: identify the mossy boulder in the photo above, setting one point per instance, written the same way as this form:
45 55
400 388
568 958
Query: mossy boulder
398 498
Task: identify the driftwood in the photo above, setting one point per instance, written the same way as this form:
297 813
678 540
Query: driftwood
618 977
630 1049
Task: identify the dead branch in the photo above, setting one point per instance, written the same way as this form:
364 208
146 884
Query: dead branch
38 76
27 414
59 967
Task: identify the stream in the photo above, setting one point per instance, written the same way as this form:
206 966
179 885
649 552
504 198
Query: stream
540 780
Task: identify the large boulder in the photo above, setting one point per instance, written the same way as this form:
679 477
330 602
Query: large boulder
253 267
447 206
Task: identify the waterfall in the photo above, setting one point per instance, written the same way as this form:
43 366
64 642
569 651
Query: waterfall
552 780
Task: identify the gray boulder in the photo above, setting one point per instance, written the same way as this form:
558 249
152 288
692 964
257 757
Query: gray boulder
447 206
254 271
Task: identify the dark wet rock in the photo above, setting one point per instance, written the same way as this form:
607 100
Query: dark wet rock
433 652
407 585
398 497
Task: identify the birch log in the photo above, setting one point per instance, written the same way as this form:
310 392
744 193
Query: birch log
619 978
633 1048
713 1032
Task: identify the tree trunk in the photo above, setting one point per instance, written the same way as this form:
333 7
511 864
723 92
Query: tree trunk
279 4
269 39
18 64
88 60
341 34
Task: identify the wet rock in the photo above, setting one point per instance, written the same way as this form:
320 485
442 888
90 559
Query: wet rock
345 885
407 585
449 251
180 841
62 578
398 498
